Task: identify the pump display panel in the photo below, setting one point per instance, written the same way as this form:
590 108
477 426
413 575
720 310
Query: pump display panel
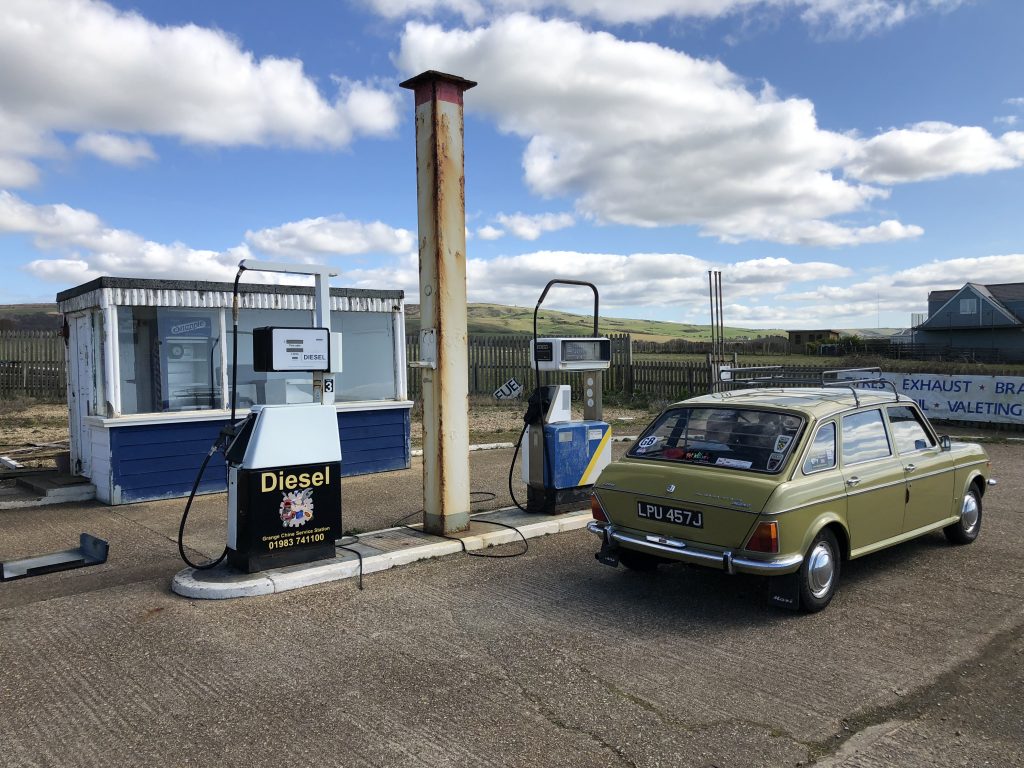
571 354
291 349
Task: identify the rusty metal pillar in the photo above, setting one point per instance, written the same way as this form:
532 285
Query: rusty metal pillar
440 190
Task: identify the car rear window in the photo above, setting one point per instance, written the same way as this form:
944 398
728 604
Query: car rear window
758 441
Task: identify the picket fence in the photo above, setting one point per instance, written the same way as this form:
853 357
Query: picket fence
32 365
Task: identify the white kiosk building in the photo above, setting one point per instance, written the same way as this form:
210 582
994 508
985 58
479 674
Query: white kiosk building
149 378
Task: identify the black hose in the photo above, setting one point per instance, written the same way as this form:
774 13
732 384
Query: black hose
184 517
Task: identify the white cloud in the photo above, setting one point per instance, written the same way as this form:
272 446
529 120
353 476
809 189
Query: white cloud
331 235
644 135
839 17
934 150
87 248
1008 120
529 227
117 72
1017 101
115 149
487 232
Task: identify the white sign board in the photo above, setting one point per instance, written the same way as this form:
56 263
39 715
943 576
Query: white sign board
300 349
509 390
964 397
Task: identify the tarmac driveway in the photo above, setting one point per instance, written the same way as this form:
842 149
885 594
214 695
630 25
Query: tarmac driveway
548 659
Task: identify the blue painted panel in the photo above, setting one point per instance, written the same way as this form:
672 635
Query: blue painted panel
156 461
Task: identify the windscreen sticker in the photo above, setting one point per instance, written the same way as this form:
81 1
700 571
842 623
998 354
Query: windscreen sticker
782 443
775 460
735 463
647 442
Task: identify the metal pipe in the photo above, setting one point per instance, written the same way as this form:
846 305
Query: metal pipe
440 192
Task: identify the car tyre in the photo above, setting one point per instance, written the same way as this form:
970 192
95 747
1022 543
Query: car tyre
819 572
639 561
968 525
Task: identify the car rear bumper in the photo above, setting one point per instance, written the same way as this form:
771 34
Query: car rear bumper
675 549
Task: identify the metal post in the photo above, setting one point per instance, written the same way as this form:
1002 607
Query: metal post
440 191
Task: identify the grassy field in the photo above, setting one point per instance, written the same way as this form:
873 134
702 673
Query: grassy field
886 364
498 319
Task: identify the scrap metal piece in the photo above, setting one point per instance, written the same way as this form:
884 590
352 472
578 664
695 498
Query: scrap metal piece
91 551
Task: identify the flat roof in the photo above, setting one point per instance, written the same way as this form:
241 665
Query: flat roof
204 285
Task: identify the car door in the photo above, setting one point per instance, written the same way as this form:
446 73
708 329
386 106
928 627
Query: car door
874 477
927 468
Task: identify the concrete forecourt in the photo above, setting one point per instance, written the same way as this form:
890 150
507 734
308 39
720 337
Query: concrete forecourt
548 659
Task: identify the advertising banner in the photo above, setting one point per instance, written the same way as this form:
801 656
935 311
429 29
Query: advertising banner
964 397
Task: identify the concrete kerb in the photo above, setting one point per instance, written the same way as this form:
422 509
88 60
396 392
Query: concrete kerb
405 545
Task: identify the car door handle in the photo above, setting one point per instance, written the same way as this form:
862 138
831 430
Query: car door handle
910 467
853 481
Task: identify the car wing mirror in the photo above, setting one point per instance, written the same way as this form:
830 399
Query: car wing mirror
944 443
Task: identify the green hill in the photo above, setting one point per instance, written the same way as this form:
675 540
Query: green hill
497 319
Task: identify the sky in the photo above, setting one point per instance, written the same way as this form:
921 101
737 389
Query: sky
836 160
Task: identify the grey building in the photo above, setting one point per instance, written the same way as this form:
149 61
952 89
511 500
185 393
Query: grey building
980 317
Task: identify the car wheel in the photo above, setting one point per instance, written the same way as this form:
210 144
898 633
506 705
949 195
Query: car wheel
968 526
638 561
819 573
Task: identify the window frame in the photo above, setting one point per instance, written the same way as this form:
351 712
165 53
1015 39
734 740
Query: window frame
810 444
885 431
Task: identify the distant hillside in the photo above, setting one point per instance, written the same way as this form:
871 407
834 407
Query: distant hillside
29 317
483 319
497 318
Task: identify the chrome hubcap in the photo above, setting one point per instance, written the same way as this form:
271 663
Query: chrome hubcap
821 569
969 513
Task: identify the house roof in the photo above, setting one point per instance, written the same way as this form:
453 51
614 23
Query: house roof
993 294
1002 292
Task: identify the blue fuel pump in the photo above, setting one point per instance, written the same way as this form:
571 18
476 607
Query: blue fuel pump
562 457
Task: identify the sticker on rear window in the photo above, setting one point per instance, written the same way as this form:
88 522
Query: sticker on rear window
782 443
734 463
774 461
647 442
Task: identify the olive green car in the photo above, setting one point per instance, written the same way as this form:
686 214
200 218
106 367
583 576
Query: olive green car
786 483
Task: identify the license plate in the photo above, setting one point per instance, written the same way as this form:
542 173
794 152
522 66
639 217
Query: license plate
663 514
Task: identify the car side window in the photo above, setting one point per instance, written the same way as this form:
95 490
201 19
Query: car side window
864 437
822 452
908 433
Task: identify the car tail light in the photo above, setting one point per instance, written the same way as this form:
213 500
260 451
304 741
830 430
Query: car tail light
765 538
597 510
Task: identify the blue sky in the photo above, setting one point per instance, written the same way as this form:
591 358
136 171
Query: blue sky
836 159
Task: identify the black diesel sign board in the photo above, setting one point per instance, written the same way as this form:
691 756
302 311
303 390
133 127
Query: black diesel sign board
287 515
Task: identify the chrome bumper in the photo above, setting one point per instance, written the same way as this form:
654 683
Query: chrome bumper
677 550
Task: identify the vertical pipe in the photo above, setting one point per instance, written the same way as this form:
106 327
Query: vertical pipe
440 191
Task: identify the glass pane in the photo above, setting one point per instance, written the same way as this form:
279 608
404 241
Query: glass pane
169 359
269 388
725 437
368 355
822 453
908 432
188 359
864 437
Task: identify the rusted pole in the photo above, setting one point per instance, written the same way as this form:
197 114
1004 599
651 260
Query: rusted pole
440 190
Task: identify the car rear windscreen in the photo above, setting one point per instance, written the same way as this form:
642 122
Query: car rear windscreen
754 440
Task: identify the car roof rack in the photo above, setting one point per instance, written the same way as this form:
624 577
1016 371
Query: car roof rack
776 375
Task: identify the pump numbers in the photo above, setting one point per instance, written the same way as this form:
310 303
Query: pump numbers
664 514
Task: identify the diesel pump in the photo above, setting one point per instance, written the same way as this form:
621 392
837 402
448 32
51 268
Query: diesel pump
283 461
562 457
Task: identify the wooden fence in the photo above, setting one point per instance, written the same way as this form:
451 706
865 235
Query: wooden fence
32 365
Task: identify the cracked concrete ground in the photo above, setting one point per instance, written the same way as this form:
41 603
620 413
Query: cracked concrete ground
549 659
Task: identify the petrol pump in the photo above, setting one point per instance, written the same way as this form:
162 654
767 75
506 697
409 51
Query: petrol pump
283 461
562 457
